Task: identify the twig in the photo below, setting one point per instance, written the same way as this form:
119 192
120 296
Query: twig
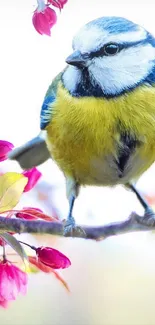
132 224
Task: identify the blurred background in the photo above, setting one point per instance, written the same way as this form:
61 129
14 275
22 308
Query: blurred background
112 282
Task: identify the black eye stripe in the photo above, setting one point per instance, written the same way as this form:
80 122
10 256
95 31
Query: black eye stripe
100 52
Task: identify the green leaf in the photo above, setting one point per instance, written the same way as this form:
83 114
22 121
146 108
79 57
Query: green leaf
11 189
14 243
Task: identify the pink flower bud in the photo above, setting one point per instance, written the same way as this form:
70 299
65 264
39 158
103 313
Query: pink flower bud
33 176
5 147
58 3
29 213
12 282
44 18
52 258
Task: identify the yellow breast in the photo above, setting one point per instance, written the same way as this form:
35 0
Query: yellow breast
83 132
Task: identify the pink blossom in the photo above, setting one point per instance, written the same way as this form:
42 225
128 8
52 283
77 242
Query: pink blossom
29 213
58 3
34 214
5 147
44 18
33 176
12 282
52 258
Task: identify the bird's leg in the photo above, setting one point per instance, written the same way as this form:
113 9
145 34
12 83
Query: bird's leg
72 189
149 216
70 222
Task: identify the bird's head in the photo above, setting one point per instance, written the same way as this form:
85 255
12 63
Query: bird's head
111 55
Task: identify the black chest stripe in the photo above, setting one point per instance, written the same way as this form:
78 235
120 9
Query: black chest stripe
126 147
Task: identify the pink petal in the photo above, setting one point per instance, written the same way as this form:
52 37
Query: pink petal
4 303
52 258
34 214
51 16
58 3
63 2
20 278
33 176
41 24
5 147
12 282
43 21
29 213
55 3
26 216
8 289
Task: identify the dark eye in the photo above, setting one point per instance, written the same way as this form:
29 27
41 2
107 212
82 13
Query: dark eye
111 49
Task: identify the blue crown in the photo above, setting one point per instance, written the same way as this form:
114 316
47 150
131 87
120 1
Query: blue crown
114 25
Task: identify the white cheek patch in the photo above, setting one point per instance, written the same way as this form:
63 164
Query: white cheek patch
92 38
123 70
71 78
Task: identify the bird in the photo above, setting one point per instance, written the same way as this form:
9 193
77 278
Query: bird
97 120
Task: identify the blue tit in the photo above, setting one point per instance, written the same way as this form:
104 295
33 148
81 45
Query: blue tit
98 115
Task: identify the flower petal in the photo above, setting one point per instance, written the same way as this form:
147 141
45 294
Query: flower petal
43 21
4 303
20 278
8 289
12 282
41 24
5 147
55 3
34 214
51 16
52 258
33 176
26 216
58 3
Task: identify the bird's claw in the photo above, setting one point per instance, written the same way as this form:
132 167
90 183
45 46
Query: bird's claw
148 219
71 229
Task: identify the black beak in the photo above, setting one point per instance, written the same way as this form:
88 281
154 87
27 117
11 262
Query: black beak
76 59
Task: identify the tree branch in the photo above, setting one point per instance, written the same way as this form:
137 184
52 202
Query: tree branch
132 224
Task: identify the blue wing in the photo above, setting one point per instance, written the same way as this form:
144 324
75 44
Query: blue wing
47 106
46 111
